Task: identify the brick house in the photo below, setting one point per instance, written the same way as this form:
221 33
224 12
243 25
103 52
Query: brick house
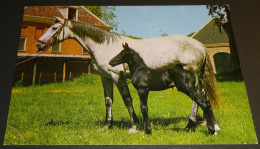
217 44
62 61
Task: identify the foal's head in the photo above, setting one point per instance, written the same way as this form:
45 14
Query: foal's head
123 57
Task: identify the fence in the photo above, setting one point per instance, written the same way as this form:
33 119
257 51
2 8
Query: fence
42 70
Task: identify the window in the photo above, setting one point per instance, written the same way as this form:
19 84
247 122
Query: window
56 47
72 14
22 44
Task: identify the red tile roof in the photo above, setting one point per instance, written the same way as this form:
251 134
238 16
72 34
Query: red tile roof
84 15
42 11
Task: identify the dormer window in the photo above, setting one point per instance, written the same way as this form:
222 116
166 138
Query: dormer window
72 14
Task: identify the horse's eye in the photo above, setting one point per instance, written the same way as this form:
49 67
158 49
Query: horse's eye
54 27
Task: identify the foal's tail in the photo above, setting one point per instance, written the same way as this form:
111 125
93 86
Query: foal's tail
210 84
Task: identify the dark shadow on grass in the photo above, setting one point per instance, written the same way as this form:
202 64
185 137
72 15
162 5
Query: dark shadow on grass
229 76
156 121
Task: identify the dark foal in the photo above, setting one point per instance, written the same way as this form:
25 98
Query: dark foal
145 79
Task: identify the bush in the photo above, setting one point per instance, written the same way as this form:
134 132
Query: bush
86 79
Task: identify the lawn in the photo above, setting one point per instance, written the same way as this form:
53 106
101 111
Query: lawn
73 113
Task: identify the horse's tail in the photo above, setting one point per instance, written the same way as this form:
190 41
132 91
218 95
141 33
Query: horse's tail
210 84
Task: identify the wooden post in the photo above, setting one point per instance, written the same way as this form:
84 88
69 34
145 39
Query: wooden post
70 76
34 73
22 76
40 77
55 77
64 72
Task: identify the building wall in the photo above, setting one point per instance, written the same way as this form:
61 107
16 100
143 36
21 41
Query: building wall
33 31
212 49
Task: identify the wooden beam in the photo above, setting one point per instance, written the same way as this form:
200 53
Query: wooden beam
216 45
34 73
64 72
40 77
55 76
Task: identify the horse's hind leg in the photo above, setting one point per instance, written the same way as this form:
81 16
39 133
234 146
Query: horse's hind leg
193 118
185 82
108 93
125 93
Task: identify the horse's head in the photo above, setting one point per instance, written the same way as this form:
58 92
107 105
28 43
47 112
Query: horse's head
123 57
56 33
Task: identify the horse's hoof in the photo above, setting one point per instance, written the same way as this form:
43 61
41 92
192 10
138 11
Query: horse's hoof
212 131
204 123
189 129
148 131
107 126
132 130
191 126
216 127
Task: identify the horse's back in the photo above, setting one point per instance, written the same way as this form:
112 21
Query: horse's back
165 52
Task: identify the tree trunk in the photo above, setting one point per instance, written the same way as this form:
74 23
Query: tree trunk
235 64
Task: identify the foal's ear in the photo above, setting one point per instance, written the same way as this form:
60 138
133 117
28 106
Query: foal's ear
125 46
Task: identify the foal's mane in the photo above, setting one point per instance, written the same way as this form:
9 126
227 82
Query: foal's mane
137 56
96 34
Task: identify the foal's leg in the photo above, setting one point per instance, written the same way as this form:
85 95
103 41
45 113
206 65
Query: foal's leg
143 94
122 86
108 93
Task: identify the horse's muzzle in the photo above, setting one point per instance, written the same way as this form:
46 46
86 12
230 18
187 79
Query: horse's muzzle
41 46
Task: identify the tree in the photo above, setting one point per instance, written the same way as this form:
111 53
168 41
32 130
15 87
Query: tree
223 19
105 13
191 34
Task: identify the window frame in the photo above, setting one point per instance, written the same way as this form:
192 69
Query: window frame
24 44
76 15
59 51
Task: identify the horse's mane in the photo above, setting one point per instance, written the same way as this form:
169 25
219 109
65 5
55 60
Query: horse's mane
96 34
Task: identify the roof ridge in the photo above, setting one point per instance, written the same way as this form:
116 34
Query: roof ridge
95 16
203 26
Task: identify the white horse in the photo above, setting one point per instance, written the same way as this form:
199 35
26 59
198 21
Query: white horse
160 53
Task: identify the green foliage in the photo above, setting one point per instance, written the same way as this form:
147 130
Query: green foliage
164 34
219 12
191 34
105 13
133 37
72 113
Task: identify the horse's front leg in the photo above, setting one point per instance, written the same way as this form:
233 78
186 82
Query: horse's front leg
143 94
108 93
122 86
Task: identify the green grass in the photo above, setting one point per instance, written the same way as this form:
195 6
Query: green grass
73 113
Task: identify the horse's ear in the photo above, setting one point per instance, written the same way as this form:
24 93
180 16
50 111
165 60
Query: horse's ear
56 20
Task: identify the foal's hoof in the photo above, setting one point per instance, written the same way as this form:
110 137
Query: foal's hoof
132 130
